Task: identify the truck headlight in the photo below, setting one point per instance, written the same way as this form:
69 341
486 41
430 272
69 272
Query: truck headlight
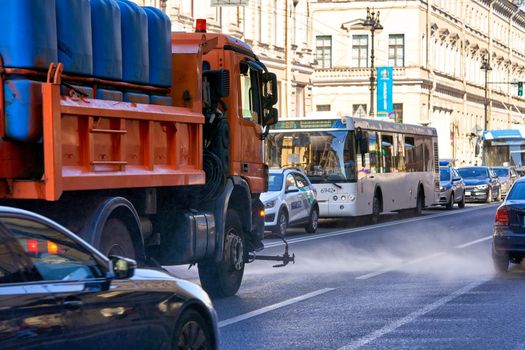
269 204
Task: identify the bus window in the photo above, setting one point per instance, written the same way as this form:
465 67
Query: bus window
349 157
387 153
374 153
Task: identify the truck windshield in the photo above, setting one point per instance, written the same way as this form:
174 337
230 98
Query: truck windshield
324 156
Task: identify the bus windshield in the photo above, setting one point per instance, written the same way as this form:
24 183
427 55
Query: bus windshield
324 156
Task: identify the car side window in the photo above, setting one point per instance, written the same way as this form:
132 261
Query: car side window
14 265
55 256
301 181
290 181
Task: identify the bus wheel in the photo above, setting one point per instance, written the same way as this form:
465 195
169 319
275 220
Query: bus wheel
450 204
376 210
419 204
223 278
116 239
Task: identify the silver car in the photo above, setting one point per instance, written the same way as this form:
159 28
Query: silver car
452 188
506 176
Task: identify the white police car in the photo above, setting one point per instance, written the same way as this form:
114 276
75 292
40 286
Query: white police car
290 201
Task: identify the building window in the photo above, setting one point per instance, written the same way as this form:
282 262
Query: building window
323 108
398 112
323 52
396 50
360 50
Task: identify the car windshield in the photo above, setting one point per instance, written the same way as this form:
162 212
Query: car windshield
473 173
517 192
444 174
275 182
501 172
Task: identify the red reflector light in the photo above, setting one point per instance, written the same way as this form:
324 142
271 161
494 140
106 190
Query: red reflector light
200 26
32 246
502 217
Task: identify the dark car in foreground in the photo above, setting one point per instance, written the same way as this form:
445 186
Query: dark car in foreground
57 292
509 229
481 184
451 188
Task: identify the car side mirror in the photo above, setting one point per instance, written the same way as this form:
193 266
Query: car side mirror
292 189
121 268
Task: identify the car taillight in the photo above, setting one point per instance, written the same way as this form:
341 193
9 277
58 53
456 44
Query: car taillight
32 246
502 217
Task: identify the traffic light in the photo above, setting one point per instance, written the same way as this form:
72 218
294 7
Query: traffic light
520 88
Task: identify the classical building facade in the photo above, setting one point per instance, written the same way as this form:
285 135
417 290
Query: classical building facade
277 30
321 55
437 48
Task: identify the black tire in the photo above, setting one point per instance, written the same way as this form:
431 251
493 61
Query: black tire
313 222
499 194
450 204
116 240
223 279
489 196
376 209
192 332
282 223
501 263
420 203
461 204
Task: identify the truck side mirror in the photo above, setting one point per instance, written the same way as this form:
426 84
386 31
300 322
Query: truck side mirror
271 117
219 81
269 89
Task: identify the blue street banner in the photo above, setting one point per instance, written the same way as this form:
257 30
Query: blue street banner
385 81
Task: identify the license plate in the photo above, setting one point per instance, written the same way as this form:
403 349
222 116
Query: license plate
467 193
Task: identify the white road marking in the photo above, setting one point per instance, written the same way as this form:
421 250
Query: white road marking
468 244
410 318
396 267
269 308
371 227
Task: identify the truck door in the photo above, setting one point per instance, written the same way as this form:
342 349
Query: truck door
250 125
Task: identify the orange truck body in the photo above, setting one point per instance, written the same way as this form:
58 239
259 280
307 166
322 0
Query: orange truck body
143 163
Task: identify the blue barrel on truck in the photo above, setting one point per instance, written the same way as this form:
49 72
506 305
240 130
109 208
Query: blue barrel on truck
107 39
28 33
135 51
159 37
75 47
23 110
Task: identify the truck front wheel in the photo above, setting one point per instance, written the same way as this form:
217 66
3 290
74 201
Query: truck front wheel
116 239
223 278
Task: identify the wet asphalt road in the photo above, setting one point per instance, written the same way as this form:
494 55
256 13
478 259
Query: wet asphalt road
406 283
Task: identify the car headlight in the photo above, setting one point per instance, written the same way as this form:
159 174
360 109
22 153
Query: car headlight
269 204
442 188
482 187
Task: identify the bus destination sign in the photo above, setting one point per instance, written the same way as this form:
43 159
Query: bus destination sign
305 124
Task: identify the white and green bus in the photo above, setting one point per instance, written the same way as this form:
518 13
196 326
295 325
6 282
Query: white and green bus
360 166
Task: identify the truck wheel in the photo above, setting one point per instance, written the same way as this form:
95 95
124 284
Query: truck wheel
223 278
313 221
116 239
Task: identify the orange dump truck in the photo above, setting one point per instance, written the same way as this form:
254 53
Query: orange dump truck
164 184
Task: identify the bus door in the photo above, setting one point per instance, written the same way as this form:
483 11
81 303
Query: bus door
368 169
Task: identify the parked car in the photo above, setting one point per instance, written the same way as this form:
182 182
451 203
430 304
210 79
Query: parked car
290 201
452 188
481 184
508 243
57 292
507 176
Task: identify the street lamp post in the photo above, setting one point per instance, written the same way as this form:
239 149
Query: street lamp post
485 65
372 22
